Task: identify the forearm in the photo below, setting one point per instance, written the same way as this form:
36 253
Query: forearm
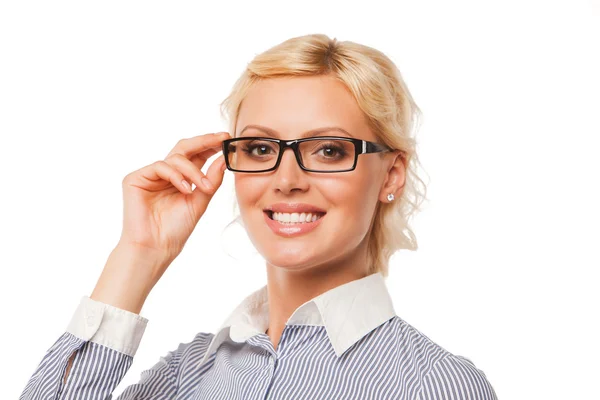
126 280
96 351
128 277
125 283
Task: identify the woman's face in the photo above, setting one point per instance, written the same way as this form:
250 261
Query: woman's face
290 107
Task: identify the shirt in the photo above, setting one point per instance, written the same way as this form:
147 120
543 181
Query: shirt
346 343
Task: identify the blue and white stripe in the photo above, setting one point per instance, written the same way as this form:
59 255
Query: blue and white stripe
391 360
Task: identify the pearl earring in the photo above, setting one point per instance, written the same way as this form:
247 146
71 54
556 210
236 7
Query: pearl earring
390 197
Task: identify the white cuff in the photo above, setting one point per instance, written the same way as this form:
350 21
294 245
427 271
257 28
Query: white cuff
107 325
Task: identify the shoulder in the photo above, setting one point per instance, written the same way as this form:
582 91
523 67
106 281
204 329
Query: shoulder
199 343
455 377
443 375
186 351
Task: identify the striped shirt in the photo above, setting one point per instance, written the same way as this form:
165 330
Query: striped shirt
347 343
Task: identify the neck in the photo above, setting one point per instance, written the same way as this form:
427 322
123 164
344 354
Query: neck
288 289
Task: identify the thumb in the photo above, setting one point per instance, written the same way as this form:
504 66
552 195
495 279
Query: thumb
214 174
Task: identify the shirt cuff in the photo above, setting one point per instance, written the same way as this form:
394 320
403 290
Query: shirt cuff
107 325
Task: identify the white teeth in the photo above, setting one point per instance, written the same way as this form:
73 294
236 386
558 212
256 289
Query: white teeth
293 218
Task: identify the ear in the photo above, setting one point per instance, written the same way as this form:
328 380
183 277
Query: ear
395 178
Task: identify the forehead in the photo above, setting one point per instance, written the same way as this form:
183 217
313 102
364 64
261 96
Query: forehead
294 105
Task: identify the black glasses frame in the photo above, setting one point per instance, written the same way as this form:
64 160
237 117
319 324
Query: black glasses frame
360 147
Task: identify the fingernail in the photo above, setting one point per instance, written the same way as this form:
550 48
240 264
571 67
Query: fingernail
207 184
186 185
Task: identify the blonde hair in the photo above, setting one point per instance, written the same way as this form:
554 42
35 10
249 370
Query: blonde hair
378 87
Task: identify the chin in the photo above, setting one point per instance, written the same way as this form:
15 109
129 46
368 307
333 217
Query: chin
288 255
289 264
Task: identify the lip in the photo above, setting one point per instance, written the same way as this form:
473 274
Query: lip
294 208
290 230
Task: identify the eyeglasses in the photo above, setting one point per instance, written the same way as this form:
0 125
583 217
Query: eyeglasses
315 154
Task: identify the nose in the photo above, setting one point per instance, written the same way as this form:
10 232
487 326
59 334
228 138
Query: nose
289 176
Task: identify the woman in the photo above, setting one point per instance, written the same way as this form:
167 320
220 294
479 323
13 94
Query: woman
326 216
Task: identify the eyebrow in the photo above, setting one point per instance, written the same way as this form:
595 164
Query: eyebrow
312 132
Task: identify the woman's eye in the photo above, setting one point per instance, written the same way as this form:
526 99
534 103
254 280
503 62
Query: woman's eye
258 149
262 149
332 151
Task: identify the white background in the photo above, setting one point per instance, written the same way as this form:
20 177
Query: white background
506 270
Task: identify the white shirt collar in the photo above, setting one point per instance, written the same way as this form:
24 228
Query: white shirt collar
348 312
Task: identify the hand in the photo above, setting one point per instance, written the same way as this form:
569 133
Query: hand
160 211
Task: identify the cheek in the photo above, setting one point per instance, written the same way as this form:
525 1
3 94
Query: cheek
348 202
351 194
352 201
248 193
248 188
252 193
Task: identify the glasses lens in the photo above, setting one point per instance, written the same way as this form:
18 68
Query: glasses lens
327 154
318 154
252 154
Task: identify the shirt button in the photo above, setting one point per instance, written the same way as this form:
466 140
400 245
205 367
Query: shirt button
271 361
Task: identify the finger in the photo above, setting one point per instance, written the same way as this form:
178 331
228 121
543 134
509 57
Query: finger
200 159
190 171
158 173
197 145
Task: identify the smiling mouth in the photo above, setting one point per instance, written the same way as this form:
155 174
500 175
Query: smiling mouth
295 218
